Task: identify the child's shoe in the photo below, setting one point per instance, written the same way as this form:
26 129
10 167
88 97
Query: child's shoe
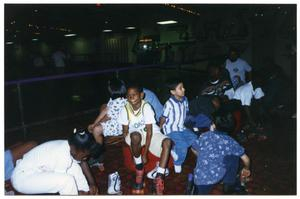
152 174
159 185
114 183
177 168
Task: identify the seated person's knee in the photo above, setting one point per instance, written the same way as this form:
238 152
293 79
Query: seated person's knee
135 138
167 143
98 130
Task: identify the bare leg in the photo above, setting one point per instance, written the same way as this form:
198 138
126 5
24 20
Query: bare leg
98 134
166 147
135 144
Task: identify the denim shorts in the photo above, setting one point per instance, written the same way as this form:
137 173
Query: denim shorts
9 165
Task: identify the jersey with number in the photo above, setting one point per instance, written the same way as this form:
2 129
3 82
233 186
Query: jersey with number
137 119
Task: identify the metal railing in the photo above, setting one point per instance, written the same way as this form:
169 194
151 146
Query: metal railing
20 83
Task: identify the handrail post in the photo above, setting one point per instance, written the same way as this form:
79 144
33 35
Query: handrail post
21 110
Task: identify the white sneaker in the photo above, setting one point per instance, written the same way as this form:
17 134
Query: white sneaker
114 183
9 193
174 155
177 168
152 174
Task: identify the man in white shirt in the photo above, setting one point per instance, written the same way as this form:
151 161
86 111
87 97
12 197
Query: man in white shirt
239 69
59 59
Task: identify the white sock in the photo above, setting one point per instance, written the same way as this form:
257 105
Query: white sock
161 170
138 160
177 168
174 155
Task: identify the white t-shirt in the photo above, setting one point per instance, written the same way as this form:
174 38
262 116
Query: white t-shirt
138 119
245 93
52 156
237 69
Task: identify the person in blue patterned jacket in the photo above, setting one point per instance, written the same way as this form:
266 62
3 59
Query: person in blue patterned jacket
218 157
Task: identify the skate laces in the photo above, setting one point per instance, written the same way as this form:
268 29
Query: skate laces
139 176
159 185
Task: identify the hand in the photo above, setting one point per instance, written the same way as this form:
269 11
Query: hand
245 173
93 190
145 158
91 128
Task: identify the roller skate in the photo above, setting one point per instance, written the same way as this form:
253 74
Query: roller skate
114 184
139 185
158 185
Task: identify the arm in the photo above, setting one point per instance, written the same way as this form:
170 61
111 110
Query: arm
100 117
246 170
103 112
125 129
248 70
148 141
162 121
90 178
248 76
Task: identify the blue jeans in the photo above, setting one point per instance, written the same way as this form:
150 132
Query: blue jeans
231 164
182 141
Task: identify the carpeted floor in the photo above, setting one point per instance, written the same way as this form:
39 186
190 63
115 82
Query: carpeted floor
273 161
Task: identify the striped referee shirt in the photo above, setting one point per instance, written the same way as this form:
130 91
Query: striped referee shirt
175 112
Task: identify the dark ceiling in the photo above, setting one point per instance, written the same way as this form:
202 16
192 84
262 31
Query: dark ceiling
23 20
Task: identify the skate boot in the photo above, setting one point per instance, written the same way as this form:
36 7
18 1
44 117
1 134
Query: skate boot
158 185
151 174
138 186
114 184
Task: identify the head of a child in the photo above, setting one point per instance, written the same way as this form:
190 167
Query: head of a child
135 95
214 71
80 143
223 122
116 88
176 88
233 54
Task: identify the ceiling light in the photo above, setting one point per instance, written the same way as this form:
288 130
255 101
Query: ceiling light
130 28
9 42
107 30
70 35
166 22
34 39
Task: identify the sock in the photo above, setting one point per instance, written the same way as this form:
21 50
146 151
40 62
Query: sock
138 160
177 168
160 171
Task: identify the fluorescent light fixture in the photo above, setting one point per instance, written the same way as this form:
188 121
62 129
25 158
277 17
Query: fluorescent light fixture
166 22
130 28
106 30
9 42
35 39
70 35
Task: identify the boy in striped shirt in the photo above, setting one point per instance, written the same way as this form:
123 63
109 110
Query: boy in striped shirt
172 123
